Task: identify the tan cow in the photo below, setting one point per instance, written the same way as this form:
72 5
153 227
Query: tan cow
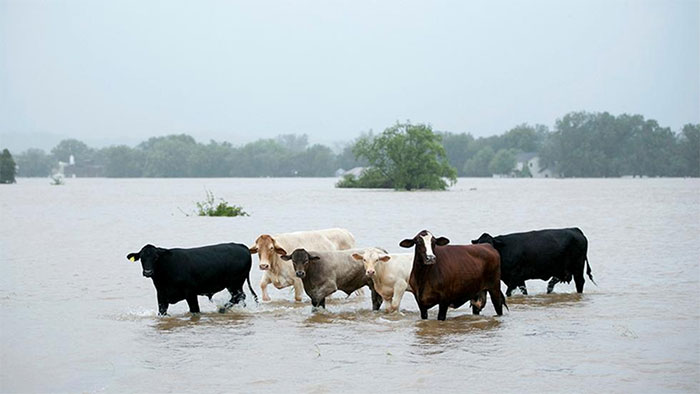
389 272
281 273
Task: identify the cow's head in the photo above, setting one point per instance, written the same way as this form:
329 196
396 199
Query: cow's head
370 258
425 244
486 238
301 260
267 248
149 256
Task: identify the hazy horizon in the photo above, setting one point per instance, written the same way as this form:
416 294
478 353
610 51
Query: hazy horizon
120 72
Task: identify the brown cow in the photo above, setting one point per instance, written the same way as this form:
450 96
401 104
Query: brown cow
453 275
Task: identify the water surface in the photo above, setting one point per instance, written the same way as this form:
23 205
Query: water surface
76 316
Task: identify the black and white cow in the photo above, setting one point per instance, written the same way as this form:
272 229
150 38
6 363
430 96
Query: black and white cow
184 274
559 254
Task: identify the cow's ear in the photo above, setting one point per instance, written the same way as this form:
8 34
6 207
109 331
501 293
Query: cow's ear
357 256
285 257
314 258
407 243
253 249
133 257
280 251
442 241
385 258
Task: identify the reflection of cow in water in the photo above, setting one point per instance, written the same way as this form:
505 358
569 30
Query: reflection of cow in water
558 254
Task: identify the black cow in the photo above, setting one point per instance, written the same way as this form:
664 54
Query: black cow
559 254
183 274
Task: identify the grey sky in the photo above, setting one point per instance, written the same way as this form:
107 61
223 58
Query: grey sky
118 71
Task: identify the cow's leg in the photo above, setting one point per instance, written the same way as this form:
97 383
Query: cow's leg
162 305
523 288
376 300
509 292
192 302
423 312
237 296
496 300
550 286
263 286
318 303
399 290
579 280
298 289
442 312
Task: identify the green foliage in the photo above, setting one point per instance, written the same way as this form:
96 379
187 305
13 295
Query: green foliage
121 162
478 166
524 173
689 151
403 157
34 163
602 145
582 144
80 151
209 207
7 167
503 162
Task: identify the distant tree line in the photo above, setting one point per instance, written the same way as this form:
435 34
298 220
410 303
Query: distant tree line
582 144
182 156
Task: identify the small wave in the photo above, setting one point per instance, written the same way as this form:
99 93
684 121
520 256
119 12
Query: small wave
137 314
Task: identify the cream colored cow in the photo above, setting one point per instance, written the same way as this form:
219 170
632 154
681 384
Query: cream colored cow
281 273
389 272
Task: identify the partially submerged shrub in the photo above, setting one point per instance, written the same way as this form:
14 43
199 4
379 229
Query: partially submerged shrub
209 207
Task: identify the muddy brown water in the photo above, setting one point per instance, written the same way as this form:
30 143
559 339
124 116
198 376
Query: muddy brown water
76 316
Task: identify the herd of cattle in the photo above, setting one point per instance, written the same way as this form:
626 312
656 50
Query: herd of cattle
324 261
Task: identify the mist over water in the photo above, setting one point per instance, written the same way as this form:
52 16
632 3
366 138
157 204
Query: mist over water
77 316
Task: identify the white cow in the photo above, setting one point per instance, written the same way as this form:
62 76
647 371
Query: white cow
389 272
281 273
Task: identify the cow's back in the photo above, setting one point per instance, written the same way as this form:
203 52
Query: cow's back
461 271
341 238
310 240
339 267
209 268
541 254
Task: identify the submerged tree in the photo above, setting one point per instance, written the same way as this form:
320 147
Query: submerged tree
404 156
7 167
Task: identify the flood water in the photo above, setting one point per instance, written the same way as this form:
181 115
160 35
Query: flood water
77 316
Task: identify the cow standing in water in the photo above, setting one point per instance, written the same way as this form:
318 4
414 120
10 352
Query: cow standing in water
325 272
559 254
280 273
450 275
389 272
183 274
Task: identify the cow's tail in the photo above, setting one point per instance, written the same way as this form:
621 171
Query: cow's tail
255 296
503 300
588 271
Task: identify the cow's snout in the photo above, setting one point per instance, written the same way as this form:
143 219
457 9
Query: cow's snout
370 272
264 267
147 273
430 259
301 274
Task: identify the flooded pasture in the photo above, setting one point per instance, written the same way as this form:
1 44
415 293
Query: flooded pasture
77 316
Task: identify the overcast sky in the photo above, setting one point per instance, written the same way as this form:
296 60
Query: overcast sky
119 71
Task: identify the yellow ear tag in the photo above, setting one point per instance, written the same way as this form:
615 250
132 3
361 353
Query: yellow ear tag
132 259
